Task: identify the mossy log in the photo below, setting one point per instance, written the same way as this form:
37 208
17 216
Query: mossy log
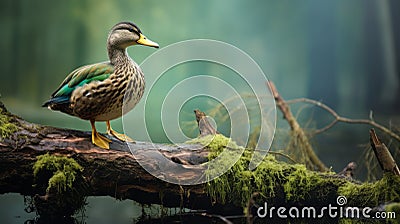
117 173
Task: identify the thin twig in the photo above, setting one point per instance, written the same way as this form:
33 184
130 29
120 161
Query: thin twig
338 118
284 155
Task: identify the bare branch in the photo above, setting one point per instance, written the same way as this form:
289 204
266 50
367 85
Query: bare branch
338 118
283 155
298 133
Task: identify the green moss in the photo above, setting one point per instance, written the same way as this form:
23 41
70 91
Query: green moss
394 208
216 143
358 221
268 175
64 171
300 182
292 182
7 128
60 177
282 183
372 194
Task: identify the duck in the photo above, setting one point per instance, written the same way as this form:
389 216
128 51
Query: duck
105 91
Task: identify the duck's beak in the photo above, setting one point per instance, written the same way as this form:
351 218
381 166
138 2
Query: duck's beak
144 41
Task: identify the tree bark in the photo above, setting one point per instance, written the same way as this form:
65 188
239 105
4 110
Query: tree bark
115 172
385 158
118 172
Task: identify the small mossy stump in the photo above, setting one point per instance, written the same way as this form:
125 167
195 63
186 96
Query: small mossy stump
60 180
7 127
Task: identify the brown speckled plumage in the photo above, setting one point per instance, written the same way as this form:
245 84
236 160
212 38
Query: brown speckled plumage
104 91
102 101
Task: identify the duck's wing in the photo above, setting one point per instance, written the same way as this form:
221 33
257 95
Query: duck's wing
78 78
82 76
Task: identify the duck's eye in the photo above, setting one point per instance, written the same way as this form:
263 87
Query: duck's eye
132 30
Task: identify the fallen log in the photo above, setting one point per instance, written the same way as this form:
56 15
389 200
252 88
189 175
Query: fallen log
117 173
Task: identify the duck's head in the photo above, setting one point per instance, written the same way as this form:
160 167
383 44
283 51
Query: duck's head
126 34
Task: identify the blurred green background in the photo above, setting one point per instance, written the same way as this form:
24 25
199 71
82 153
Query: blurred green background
344 53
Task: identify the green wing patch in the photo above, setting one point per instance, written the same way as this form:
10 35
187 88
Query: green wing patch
82 76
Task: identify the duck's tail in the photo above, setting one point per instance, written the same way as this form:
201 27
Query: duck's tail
56 102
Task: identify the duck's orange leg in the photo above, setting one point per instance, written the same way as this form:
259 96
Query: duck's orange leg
121 137
98 139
